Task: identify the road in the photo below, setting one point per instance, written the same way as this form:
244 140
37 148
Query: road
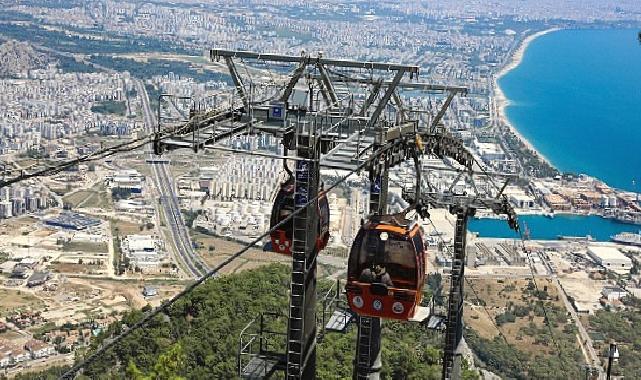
185 254
585 341
587 345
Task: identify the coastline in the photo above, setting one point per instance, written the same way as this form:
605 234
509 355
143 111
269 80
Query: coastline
501 102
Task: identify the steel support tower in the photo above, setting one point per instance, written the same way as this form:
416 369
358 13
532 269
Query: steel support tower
368 360
335 133
301 329
454 323
463 206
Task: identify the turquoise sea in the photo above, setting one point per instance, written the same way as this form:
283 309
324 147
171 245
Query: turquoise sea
543 228
576 96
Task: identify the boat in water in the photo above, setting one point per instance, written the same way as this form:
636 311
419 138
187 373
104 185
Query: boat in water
575 238
628 238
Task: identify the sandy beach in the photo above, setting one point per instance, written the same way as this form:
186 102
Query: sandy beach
499 97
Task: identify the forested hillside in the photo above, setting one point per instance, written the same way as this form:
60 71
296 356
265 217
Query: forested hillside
198 337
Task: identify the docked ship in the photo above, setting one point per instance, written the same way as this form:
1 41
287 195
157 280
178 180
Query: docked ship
575 238
628 238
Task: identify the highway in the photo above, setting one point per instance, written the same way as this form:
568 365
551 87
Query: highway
185 254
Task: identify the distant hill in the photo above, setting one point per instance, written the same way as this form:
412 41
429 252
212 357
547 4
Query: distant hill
17 57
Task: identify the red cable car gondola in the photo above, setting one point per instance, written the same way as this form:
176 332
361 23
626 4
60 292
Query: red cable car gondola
386 268
281 238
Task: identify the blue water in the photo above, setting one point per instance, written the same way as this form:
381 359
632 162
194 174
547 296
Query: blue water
576 96
543 228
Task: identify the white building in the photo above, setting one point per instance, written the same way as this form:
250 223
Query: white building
489 151
522 201
143 251
134 206
127 180
39 349
611 258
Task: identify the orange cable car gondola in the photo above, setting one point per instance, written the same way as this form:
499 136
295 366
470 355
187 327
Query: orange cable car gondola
281 238
386 267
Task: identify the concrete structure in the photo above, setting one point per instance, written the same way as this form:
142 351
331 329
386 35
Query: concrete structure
611 258
522 201
613 293
143 251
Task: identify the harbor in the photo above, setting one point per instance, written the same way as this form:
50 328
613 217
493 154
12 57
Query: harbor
541 227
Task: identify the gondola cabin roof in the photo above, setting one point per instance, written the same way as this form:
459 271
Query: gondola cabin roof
392 223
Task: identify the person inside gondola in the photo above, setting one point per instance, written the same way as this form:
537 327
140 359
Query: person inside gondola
376 274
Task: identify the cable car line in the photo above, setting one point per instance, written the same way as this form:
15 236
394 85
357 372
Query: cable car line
536 286
391 227
443 145
491 319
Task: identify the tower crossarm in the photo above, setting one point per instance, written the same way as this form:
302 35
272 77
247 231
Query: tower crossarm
215 54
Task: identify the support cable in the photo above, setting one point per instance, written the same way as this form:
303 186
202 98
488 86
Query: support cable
536 286
99 154
482 303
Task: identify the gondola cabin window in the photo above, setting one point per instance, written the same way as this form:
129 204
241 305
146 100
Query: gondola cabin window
387 252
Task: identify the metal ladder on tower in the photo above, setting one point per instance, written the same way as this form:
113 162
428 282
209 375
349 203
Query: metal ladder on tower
454 331
297 338
364 346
